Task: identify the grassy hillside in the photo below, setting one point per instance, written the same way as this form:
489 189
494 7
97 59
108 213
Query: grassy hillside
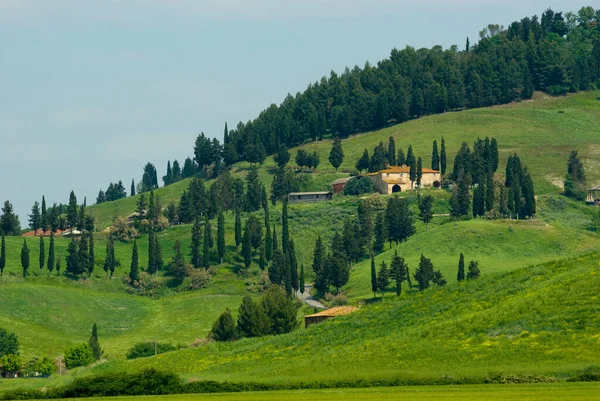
542 131
541 320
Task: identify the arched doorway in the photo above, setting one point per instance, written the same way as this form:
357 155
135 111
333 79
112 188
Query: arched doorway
396 188
436 184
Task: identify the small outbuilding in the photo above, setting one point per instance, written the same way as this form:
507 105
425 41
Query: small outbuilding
593 197
339 184
329 313
309 197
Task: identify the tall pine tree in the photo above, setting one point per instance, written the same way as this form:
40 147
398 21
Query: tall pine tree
42 256
435 157
134 267
373 276
51 256
460 276
443 159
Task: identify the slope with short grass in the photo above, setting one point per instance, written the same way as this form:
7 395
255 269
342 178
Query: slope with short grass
539 320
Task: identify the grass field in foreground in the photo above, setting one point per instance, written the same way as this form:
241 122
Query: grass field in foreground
522 392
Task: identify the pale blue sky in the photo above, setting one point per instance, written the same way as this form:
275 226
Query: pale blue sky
92 90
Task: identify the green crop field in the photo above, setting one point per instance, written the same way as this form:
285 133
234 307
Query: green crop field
547 392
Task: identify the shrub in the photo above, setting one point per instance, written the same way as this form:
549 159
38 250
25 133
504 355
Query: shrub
124 231
149 348
44 367
199 278
224 327
358 186
79 355
9 343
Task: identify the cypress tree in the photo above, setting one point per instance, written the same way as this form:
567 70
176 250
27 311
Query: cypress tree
58 265
321 276
473 272
435 157
42 254
380 232
151 252
224 327
134 268
276 269
364 162
250 321
336 265
221 236
2 255
494 155
285 235
400 160
262 257
72 210
293 265
412 164
302 288
479 201
108 260
34 217
424 273
425 213
25 258
336 155
461 268
443 158
398 270
373 276
132 191
45 222
287 274
274 241
391 156
50 263
206 247
83 255
459 202
383 278
91 254
94 344
410 156
72 259
238 229
419 171
268 242
196 240
158 254
490 195
247 245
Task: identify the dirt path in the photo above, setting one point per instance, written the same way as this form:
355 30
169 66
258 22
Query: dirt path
309 299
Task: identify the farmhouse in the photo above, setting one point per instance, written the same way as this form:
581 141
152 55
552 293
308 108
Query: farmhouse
339 184
593 197
397 179
309 197
329 313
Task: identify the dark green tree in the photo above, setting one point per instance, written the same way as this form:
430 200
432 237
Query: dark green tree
238 229
251 321
247 244
285 230
425 210
494 155
398 271
51 255
262 256
221 236
9 222
364 162
73 265
424 273
109 259
461 268
479 201
391 156
84 254
336 263
319 268
281 310
293 265
132 190
72 211
134 268
9 343
207 244
438 278
224 328
268 242
302 288
383 278
373 276
381 233
419 171
45 224
400 159
35 220
277 268
91 254
473 271
196 254
459 202
94 344
25 258
435 157
443 159
365 222
336 155
253 190
42 256
490 194
2 255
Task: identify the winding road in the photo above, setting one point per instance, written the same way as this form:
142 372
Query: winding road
309 299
